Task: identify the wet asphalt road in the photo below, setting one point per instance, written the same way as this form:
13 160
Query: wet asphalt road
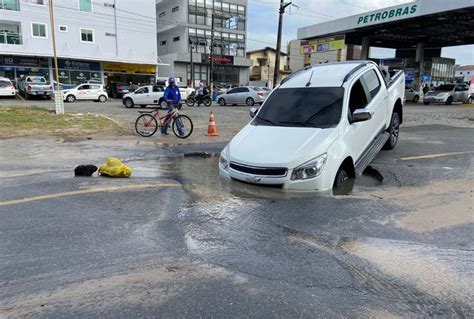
175 241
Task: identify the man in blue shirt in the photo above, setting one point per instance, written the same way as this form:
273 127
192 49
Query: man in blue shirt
172 96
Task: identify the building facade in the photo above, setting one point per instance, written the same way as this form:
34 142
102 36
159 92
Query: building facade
111 40
263 66
185 33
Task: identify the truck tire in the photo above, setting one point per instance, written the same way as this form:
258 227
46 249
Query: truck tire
343 183
394 131
449 101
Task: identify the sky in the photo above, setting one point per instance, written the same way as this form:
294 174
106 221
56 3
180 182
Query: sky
263 23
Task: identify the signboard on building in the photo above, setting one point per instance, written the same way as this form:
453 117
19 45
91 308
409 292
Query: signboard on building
402 12
218 59
323 44
67 64
129 68
23 61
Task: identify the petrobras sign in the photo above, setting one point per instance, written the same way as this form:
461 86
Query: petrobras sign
388 14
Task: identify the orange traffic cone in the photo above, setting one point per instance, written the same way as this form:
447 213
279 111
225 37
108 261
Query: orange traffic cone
212 128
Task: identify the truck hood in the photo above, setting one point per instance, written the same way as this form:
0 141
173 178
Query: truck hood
276 146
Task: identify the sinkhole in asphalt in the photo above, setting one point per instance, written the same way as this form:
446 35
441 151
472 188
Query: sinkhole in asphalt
199 174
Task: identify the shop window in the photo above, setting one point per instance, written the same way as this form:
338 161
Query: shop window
85 5
200 3
87 35
38 2
38 30
62 28
10 5
175 9
176 39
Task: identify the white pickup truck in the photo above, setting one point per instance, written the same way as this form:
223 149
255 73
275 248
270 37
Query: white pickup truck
318 129
150 95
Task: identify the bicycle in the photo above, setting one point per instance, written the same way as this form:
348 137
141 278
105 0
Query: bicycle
148 123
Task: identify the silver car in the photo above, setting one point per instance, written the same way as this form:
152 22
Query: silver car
449 93
412 95
244 95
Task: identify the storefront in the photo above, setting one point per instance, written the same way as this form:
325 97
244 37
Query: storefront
224 70
129 73
78 71
14 67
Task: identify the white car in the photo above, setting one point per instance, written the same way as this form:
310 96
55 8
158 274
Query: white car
143 96
319 129
85 91
7 88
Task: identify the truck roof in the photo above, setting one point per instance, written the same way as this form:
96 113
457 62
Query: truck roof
324 75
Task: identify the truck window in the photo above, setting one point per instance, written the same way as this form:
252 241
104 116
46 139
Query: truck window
358 97
372 82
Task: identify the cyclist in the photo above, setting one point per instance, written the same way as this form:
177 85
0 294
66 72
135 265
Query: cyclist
173 97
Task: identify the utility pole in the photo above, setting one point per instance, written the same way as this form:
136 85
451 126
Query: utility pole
211 66
192 65
58 99
283 6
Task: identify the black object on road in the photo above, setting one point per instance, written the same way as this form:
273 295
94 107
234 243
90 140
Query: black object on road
85 170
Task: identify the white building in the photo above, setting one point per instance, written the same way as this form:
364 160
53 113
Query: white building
184 26
112 40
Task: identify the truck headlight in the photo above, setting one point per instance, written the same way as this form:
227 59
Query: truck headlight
309 169
223 158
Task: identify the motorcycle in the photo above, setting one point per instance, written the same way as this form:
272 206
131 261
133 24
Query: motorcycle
192 99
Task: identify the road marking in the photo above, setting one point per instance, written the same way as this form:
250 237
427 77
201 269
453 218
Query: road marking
86 191
434 156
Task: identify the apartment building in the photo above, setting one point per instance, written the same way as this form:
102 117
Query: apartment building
109 40
263 66
185 36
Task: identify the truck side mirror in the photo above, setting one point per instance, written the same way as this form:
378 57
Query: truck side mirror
361 115
253 112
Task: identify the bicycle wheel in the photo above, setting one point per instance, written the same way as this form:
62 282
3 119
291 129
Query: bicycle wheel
185 124
146 125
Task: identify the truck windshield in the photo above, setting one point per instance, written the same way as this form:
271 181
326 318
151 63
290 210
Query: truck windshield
302 107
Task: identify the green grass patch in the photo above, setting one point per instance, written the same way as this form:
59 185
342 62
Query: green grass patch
34 121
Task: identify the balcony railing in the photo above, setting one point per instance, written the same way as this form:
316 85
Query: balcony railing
10 38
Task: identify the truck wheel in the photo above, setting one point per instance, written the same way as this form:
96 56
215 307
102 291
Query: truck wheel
128 103
343 183
394 131
449 101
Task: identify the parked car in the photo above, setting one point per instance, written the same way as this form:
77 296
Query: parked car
183 88
86 91
34 86
143 96
7 88
318 129
412 95
247 95
449 93
118 90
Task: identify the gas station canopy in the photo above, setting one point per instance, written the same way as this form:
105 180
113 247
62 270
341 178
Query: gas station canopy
435 23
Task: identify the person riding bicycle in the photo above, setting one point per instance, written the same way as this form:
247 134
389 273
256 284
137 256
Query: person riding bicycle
172 96
201 93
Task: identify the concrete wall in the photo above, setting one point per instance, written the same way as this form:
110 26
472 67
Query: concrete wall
135 29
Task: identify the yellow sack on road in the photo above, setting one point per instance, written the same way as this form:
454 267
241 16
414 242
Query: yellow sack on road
113 167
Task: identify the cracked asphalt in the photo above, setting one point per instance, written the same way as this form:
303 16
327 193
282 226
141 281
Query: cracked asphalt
175 241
